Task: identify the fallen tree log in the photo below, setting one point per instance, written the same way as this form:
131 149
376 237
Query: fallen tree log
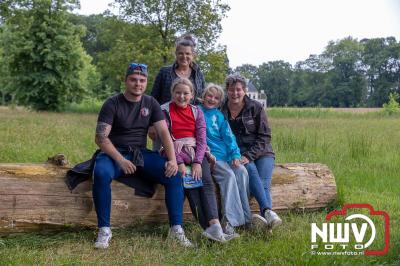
34 196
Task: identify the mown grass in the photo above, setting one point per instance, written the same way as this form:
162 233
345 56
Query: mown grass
360 149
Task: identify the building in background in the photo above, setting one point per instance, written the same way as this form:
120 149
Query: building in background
254 94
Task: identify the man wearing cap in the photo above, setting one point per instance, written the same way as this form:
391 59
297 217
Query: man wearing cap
121 132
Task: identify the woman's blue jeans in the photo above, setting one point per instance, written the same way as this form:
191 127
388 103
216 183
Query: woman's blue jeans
260 175
106 169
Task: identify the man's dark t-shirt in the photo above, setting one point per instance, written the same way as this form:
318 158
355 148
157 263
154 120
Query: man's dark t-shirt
130 121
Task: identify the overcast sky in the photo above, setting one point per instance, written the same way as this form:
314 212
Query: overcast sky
258 31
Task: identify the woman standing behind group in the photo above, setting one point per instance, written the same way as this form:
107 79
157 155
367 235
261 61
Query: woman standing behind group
183 67
249 123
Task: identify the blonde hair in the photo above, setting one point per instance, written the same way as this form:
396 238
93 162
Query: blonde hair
183 81
219 90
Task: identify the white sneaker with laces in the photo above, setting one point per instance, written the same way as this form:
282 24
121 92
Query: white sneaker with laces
229 232
103 238
214 232
272 219
259 221
178 235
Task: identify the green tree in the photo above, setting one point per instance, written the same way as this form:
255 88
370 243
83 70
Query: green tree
214 64
307 88
314 63
249 71
392 106
275 80
348 82
174 17
113 43
44 55
381 57
297 95
12 8
309 82
5 96
125 42
95 39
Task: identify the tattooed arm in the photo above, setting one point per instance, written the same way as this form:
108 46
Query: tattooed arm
105 144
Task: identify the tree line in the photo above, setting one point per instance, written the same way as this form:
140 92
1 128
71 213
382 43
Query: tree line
51 57
348 73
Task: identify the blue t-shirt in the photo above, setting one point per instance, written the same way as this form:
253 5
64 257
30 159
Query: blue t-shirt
220 138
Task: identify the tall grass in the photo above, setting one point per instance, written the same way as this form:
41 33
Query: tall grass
362 150
86 106
309 112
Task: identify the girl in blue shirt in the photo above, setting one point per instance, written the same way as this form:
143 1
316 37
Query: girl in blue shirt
228 172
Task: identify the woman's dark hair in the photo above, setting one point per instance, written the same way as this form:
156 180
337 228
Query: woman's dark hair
186 40
232 79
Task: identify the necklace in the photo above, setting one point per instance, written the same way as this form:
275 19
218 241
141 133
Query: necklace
235 109
183 73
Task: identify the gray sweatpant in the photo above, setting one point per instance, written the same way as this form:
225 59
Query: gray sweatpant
234 187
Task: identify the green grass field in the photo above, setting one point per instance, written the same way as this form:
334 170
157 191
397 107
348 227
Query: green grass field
361 149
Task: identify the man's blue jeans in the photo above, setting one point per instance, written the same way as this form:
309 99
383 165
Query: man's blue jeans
260 175
106 169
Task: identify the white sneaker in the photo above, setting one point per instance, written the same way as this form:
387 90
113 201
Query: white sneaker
272 219
179 236
214 232
103 238
259 221
229 232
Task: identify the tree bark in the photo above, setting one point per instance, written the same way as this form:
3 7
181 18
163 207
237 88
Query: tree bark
35 197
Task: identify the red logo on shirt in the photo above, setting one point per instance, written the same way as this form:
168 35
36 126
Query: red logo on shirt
144 111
